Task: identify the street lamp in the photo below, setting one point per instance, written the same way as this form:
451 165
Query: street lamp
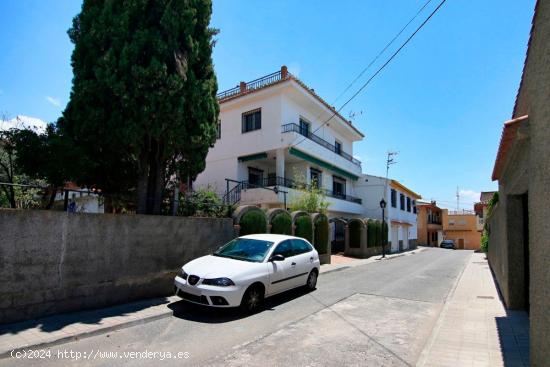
383 206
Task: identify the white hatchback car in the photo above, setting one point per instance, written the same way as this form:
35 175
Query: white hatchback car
247 269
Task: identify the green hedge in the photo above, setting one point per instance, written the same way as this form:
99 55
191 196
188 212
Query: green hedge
304 228
371 233
385 230
354 234
253 222
321 234
282 224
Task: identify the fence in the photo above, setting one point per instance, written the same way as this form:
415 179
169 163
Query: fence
78 200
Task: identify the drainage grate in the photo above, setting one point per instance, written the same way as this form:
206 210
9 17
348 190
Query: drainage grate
486 297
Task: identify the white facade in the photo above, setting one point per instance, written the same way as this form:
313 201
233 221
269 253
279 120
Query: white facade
281 152
402 221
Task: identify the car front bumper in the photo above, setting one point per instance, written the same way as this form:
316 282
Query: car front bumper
208 295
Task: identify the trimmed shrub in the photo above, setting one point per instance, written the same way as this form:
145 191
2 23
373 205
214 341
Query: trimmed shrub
385 231
371 233
354 228
304 227
253 222
321 234
378 233
282 224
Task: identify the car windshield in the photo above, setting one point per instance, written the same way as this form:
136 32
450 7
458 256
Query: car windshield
246 249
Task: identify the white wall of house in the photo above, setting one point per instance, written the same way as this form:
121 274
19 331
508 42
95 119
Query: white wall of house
402 223
283 103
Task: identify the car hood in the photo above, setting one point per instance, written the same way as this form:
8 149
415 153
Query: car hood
216 267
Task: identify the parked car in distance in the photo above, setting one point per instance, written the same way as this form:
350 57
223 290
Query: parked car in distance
450 244
248 269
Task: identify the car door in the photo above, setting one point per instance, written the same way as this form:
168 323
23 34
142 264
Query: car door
281 273
304 259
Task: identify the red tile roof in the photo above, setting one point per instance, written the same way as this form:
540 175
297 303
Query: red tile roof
509 133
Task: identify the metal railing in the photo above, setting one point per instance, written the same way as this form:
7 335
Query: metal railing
252 85
295 128
233 195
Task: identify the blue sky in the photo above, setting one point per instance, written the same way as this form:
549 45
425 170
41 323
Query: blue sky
440 103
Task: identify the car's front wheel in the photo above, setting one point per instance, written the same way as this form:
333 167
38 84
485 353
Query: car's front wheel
252 299
312 280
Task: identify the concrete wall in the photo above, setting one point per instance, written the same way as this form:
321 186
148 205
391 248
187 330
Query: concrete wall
56 262
528 171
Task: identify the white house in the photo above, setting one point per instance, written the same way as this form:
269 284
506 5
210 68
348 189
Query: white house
274 132
400 213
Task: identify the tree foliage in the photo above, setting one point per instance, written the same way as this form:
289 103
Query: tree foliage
311 199
143 103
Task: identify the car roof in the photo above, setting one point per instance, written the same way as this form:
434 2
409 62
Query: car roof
270 237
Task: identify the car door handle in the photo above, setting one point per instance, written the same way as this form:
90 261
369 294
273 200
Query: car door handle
293 264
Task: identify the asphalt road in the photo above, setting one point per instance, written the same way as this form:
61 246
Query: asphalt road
377 314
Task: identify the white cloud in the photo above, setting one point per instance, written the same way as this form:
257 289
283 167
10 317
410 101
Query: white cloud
53 101
469 196
24 122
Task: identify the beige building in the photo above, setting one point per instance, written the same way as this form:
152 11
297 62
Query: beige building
519 245
462 228
429 223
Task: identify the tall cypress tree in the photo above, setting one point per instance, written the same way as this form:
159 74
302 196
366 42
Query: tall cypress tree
143 104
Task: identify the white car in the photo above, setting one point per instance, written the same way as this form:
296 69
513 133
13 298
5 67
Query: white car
247 269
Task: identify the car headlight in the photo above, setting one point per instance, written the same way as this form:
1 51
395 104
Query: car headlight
220 282
183 274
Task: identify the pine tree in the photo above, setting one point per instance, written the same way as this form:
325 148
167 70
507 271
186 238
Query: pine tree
143 104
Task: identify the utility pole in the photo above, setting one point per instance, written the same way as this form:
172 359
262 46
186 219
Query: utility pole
389 161
457 200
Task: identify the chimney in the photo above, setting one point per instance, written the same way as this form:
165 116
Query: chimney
242 87
284 72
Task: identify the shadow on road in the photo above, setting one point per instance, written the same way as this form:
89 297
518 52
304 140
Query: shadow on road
213 315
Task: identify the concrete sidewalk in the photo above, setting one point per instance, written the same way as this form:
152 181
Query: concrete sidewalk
474 328
57 329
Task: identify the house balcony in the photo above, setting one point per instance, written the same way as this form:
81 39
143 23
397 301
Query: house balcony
281 191
295 128
272 182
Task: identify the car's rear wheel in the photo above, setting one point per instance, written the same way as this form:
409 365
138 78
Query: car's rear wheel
252 299
312 280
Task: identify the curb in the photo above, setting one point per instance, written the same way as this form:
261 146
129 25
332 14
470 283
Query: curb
87 334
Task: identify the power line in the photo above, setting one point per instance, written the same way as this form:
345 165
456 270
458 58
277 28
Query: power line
383 50
371 63
381 68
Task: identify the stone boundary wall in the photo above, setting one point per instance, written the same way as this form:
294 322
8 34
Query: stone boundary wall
53 262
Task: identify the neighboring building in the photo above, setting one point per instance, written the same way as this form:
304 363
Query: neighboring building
462 227
429 223
519 234
481 208
275 133
400 210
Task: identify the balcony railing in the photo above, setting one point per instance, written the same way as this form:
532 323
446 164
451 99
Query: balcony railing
252 85
292 184
311 136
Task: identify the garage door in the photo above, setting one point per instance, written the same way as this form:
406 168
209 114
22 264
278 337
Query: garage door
394 238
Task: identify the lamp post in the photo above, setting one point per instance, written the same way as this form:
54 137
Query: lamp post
383 206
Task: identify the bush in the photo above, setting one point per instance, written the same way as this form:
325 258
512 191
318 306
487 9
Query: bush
321 234
378 233
354 228
304 228
485 242
203 202
282 224
385 231
252 222
371 233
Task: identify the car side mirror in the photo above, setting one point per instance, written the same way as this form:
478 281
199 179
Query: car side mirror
277 257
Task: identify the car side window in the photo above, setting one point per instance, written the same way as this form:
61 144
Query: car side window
284 248
300 247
